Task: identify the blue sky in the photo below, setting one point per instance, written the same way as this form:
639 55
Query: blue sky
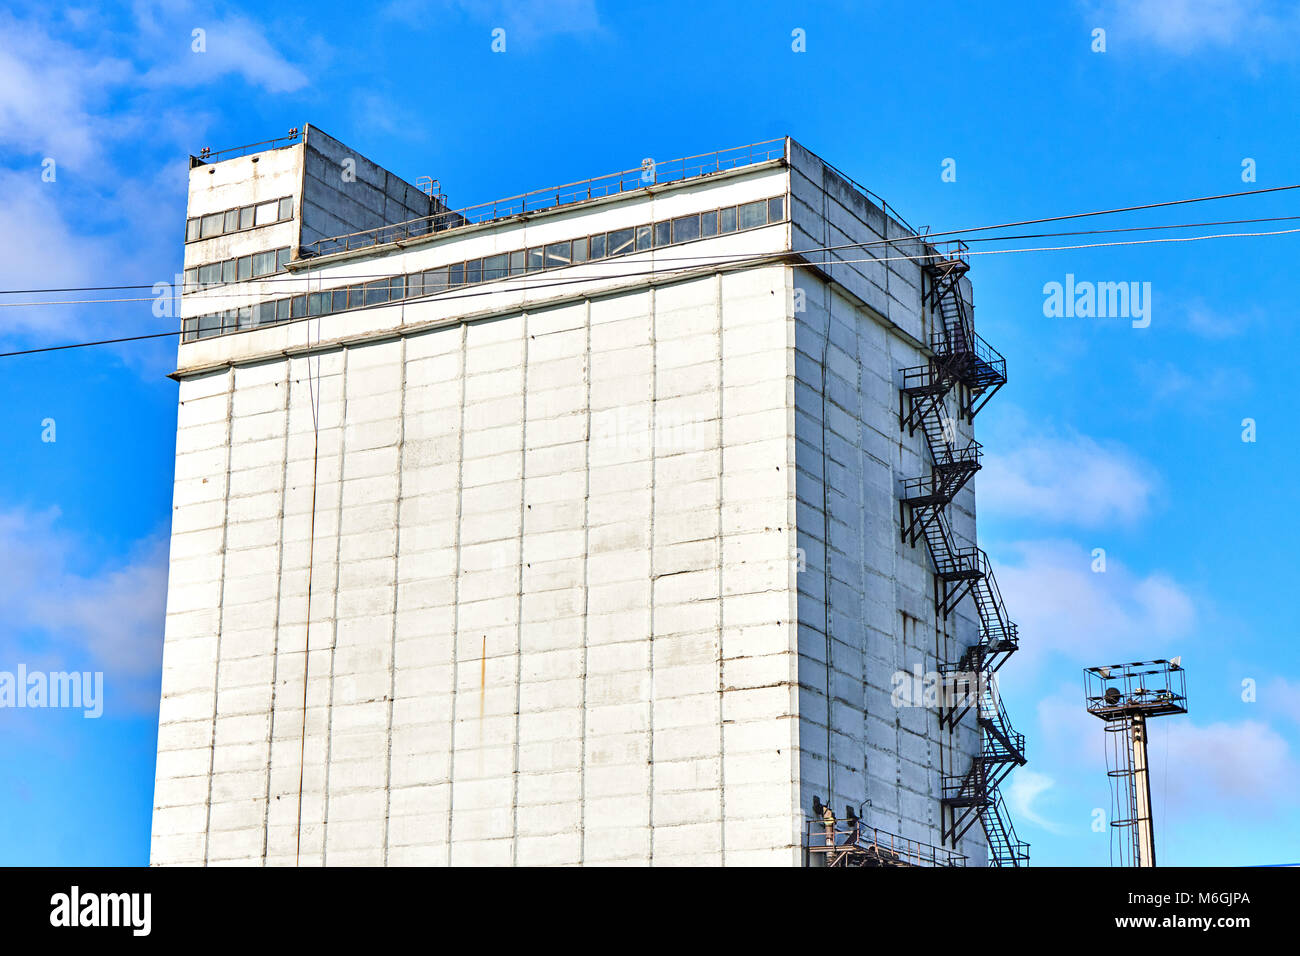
1107 436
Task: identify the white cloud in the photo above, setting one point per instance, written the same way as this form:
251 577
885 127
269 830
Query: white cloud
1281 696
59 616
49 94
528 20
1023 789
1091 618
234 46
39 249
1189 26
1236 765
1068 479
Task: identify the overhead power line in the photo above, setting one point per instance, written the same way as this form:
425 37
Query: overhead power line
443 295
448 295
928 236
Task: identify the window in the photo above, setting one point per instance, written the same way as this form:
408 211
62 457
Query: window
598 246
211 225
246 218
286 207
517 262
209 325
299 307
727 219
245 318
340 300
191 279
263 263
643 238
709 223
210 274
264 313
686 228
435 280
663 233
191 229
282 310
494 267
232 221
377 292
535 259
414 285
318 303
281 259
356 296
245 269
456 275
753 214
558 254
266 213
580 250
474 272
620 242
776 209
228 273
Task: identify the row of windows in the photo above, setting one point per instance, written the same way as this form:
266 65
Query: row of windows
253 266
554 255
238 219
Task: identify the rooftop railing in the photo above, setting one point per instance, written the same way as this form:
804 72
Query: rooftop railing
233 152
649 173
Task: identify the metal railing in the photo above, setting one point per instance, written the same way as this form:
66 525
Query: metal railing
551 197
207 155
1011 743
857 843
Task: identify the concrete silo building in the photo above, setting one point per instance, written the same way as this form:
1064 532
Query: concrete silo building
628 521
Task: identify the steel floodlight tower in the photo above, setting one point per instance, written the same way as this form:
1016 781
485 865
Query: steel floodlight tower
1125 696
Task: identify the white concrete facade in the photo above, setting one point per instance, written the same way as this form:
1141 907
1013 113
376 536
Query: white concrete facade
514 578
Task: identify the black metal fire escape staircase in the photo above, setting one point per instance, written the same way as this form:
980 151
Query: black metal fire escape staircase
964 367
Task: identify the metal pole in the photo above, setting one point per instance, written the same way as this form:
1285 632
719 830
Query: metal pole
1145 824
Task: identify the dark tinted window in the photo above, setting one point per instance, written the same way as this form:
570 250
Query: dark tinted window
686 228
557 254
620 242
753 214
435 280
494 267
